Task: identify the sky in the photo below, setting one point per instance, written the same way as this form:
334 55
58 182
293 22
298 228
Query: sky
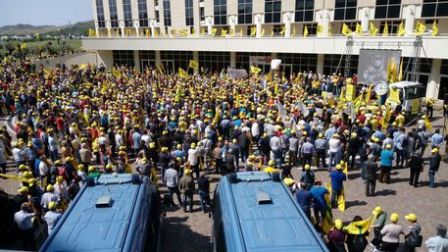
44 12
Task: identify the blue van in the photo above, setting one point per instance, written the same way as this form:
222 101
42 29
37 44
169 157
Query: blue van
118 212
254 211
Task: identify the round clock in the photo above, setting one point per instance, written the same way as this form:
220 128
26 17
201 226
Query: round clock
381 88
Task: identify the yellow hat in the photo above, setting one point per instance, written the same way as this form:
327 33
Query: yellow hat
193 145
80 167
92 168
411 217
23 189
58 162
179 146
50 188
271 163
435 150
388 146
31 181
68 159
377 210
122 148
23 167
394 217
27 174
307 167
187 172
59 179
52 205
109 166
338 224
288 181
338 167
164 149
152 145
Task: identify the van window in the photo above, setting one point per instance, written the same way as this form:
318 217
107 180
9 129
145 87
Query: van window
414 92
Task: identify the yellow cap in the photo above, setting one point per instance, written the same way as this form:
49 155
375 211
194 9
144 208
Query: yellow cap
23 189
59 179
50 188
339 167
394 217
388 146
411 217
179 146
338 224
187 172
109 166
435 150
23 167
307 167
193 145
288 181
27 174
271 163
31 181
92 168
377 210
58 162
152 145
164 149
81 167
52 205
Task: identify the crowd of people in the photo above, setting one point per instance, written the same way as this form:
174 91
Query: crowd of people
75 122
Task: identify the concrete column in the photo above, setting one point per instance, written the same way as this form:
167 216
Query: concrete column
136 26
158 58
409 18
287 18
258 23
232 23
121 25
97 31
434 79
151 26
320 64
209 21
365 18
233 59
196 58
137 60
109 32
197 18
323 19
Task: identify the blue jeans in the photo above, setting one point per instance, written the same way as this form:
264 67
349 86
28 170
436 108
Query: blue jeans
432 178
334 158
205 200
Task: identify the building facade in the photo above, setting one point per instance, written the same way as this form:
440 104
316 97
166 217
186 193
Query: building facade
305 34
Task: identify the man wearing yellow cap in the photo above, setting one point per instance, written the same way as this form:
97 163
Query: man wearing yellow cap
47 197
387 156
434 165
413 238
391 234
379 221
52 217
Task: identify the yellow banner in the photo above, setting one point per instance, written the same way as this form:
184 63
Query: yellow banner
350 92
193 64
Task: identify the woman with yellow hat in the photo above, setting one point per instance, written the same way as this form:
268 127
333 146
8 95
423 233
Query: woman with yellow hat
413 238
336 237
391 234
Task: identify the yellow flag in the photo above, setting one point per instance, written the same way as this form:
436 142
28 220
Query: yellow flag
368 94
359 227
23 46
350 92
223 32
372 29
282 31
341 201
420 28
255 70
182 73
358 29
435 29
214 30
305 31
400 74
401 30
193 64
319 29
147 32
116 73
202 31
83 66
385 30
428 124
232 32
394 95
241 33
253 31
156 33
358 100
91 33
346 30
262 32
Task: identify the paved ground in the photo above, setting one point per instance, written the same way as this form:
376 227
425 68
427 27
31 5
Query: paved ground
192 231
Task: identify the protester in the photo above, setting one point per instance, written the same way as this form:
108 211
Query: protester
413 238
438 243
391 234
434 165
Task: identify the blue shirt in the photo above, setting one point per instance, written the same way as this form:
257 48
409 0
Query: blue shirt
387 156
318 193
303 197
380 135
136 137
337 179
436 139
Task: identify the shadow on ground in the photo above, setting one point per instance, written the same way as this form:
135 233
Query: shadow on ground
175 230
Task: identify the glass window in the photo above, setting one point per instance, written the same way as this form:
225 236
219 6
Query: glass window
387 8
272 11
202 13
157 16
444 68
142 13
176 59
189 20
214 61
392 26
113 13
127 13
435 8
123 58
334 63
244 11
220 12
345 9
304 10
166 13
299 62
100 14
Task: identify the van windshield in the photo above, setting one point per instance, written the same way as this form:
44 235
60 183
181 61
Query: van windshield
414 92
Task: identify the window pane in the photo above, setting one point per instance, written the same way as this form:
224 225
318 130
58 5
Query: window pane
381 2
429 10
309 15
380 12
394 11
309 4
340 3
442 10
339 14
350 13
299 16
351 3
300 4
277 6
394 1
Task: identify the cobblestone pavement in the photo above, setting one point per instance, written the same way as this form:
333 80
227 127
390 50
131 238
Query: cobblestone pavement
192 231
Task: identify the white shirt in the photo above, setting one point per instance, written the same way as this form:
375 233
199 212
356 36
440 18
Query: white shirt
334 145
119 140
437 244
18 155
43 169
24 220
255 130
192 157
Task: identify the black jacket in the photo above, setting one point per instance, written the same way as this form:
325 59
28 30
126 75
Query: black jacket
434 163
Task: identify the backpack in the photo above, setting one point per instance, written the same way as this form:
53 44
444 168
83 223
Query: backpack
415 239
359 243
405 142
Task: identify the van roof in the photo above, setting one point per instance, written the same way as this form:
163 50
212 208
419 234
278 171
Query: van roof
403 84
85 227
277 225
